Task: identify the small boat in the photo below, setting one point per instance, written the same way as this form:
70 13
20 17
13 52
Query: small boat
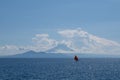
76 58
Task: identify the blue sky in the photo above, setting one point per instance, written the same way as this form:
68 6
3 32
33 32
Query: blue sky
20 20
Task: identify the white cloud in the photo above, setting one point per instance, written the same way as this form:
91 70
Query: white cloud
43 42
11 49
70 33
84 42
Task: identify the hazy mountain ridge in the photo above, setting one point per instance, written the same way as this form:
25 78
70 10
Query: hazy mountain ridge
33 54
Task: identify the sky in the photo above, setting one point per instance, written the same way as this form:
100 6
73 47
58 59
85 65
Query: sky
22 20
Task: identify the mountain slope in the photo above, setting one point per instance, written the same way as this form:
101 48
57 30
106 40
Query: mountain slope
32 54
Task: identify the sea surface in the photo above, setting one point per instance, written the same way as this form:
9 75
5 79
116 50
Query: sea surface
60 69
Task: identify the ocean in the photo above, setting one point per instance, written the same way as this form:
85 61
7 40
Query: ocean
60 69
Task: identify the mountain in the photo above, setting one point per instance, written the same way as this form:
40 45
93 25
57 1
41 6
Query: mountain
33 54
60 48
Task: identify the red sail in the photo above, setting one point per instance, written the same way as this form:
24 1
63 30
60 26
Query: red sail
76 58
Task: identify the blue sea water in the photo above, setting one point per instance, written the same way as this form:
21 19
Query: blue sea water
60 69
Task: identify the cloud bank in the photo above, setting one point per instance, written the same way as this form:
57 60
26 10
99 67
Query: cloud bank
77 40
42 42
84 42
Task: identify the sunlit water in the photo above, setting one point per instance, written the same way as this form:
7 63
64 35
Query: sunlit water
59 69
